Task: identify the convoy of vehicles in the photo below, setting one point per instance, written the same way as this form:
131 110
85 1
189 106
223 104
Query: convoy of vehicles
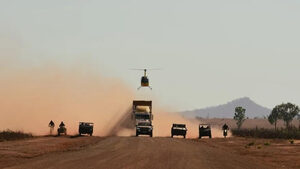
86 128
178 130
204 130
142 118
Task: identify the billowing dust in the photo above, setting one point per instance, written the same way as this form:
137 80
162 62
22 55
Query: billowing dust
32 96
162 124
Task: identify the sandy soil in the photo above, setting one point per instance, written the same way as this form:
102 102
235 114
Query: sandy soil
145 152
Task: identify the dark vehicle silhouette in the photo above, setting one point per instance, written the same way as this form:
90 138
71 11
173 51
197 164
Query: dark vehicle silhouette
225 133
178 130
204 130
62 130
225 129
86 128
144 128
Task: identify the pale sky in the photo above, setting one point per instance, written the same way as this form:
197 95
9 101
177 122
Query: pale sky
210 52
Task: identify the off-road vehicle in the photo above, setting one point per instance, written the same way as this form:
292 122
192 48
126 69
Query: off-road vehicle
62 130
178 130
144 128
86 128
204 130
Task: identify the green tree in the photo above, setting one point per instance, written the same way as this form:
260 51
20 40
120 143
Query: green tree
287 112
274 116
299 120
239 116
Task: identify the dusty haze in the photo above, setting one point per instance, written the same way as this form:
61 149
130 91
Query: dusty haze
31 96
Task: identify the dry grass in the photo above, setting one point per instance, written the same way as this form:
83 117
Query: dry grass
248 124
8 135
267 133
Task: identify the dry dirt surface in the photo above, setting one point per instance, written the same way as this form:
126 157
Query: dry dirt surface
148 153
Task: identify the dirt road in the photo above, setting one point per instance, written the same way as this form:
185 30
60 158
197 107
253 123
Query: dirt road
132 153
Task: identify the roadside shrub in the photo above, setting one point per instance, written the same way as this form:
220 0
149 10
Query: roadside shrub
8 135
267 133
251 143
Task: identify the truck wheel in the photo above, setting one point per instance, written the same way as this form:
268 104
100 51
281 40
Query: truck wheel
172 136
183 136
136 134
91 134
79 134
209 136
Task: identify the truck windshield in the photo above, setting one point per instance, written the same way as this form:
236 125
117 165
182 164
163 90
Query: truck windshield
142 116
179 125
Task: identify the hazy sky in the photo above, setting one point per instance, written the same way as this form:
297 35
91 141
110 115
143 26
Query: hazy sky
211 52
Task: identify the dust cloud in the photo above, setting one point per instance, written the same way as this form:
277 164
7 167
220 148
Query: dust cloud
31 97
163 122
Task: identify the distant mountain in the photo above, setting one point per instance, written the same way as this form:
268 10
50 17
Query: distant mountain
227 110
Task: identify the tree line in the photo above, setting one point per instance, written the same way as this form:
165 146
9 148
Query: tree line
285 111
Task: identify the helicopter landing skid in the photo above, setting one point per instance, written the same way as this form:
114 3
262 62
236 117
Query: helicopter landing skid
144 86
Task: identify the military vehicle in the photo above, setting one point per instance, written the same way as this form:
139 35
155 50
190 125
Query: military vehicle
204 130
62 130
178 130
142 111
144 128
86 128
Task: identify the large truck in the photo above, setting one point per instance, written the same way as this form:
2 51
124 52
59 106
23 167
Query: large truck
142 115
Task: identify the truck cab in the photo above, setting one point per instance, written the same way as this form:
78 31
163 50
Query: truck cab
144 128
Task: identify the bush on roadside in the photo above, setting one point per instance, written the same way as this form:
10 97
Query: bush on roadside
8 135
267 133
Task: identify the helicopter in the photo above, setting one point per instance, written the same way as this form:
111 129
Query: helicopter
145 79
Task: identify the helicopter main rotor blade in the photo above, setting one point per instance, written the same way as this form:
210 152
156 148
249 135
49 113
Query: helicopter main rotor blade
147 69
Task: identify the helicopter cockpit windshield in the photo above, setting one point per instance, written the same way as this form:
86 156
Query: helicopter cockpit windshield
145 80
